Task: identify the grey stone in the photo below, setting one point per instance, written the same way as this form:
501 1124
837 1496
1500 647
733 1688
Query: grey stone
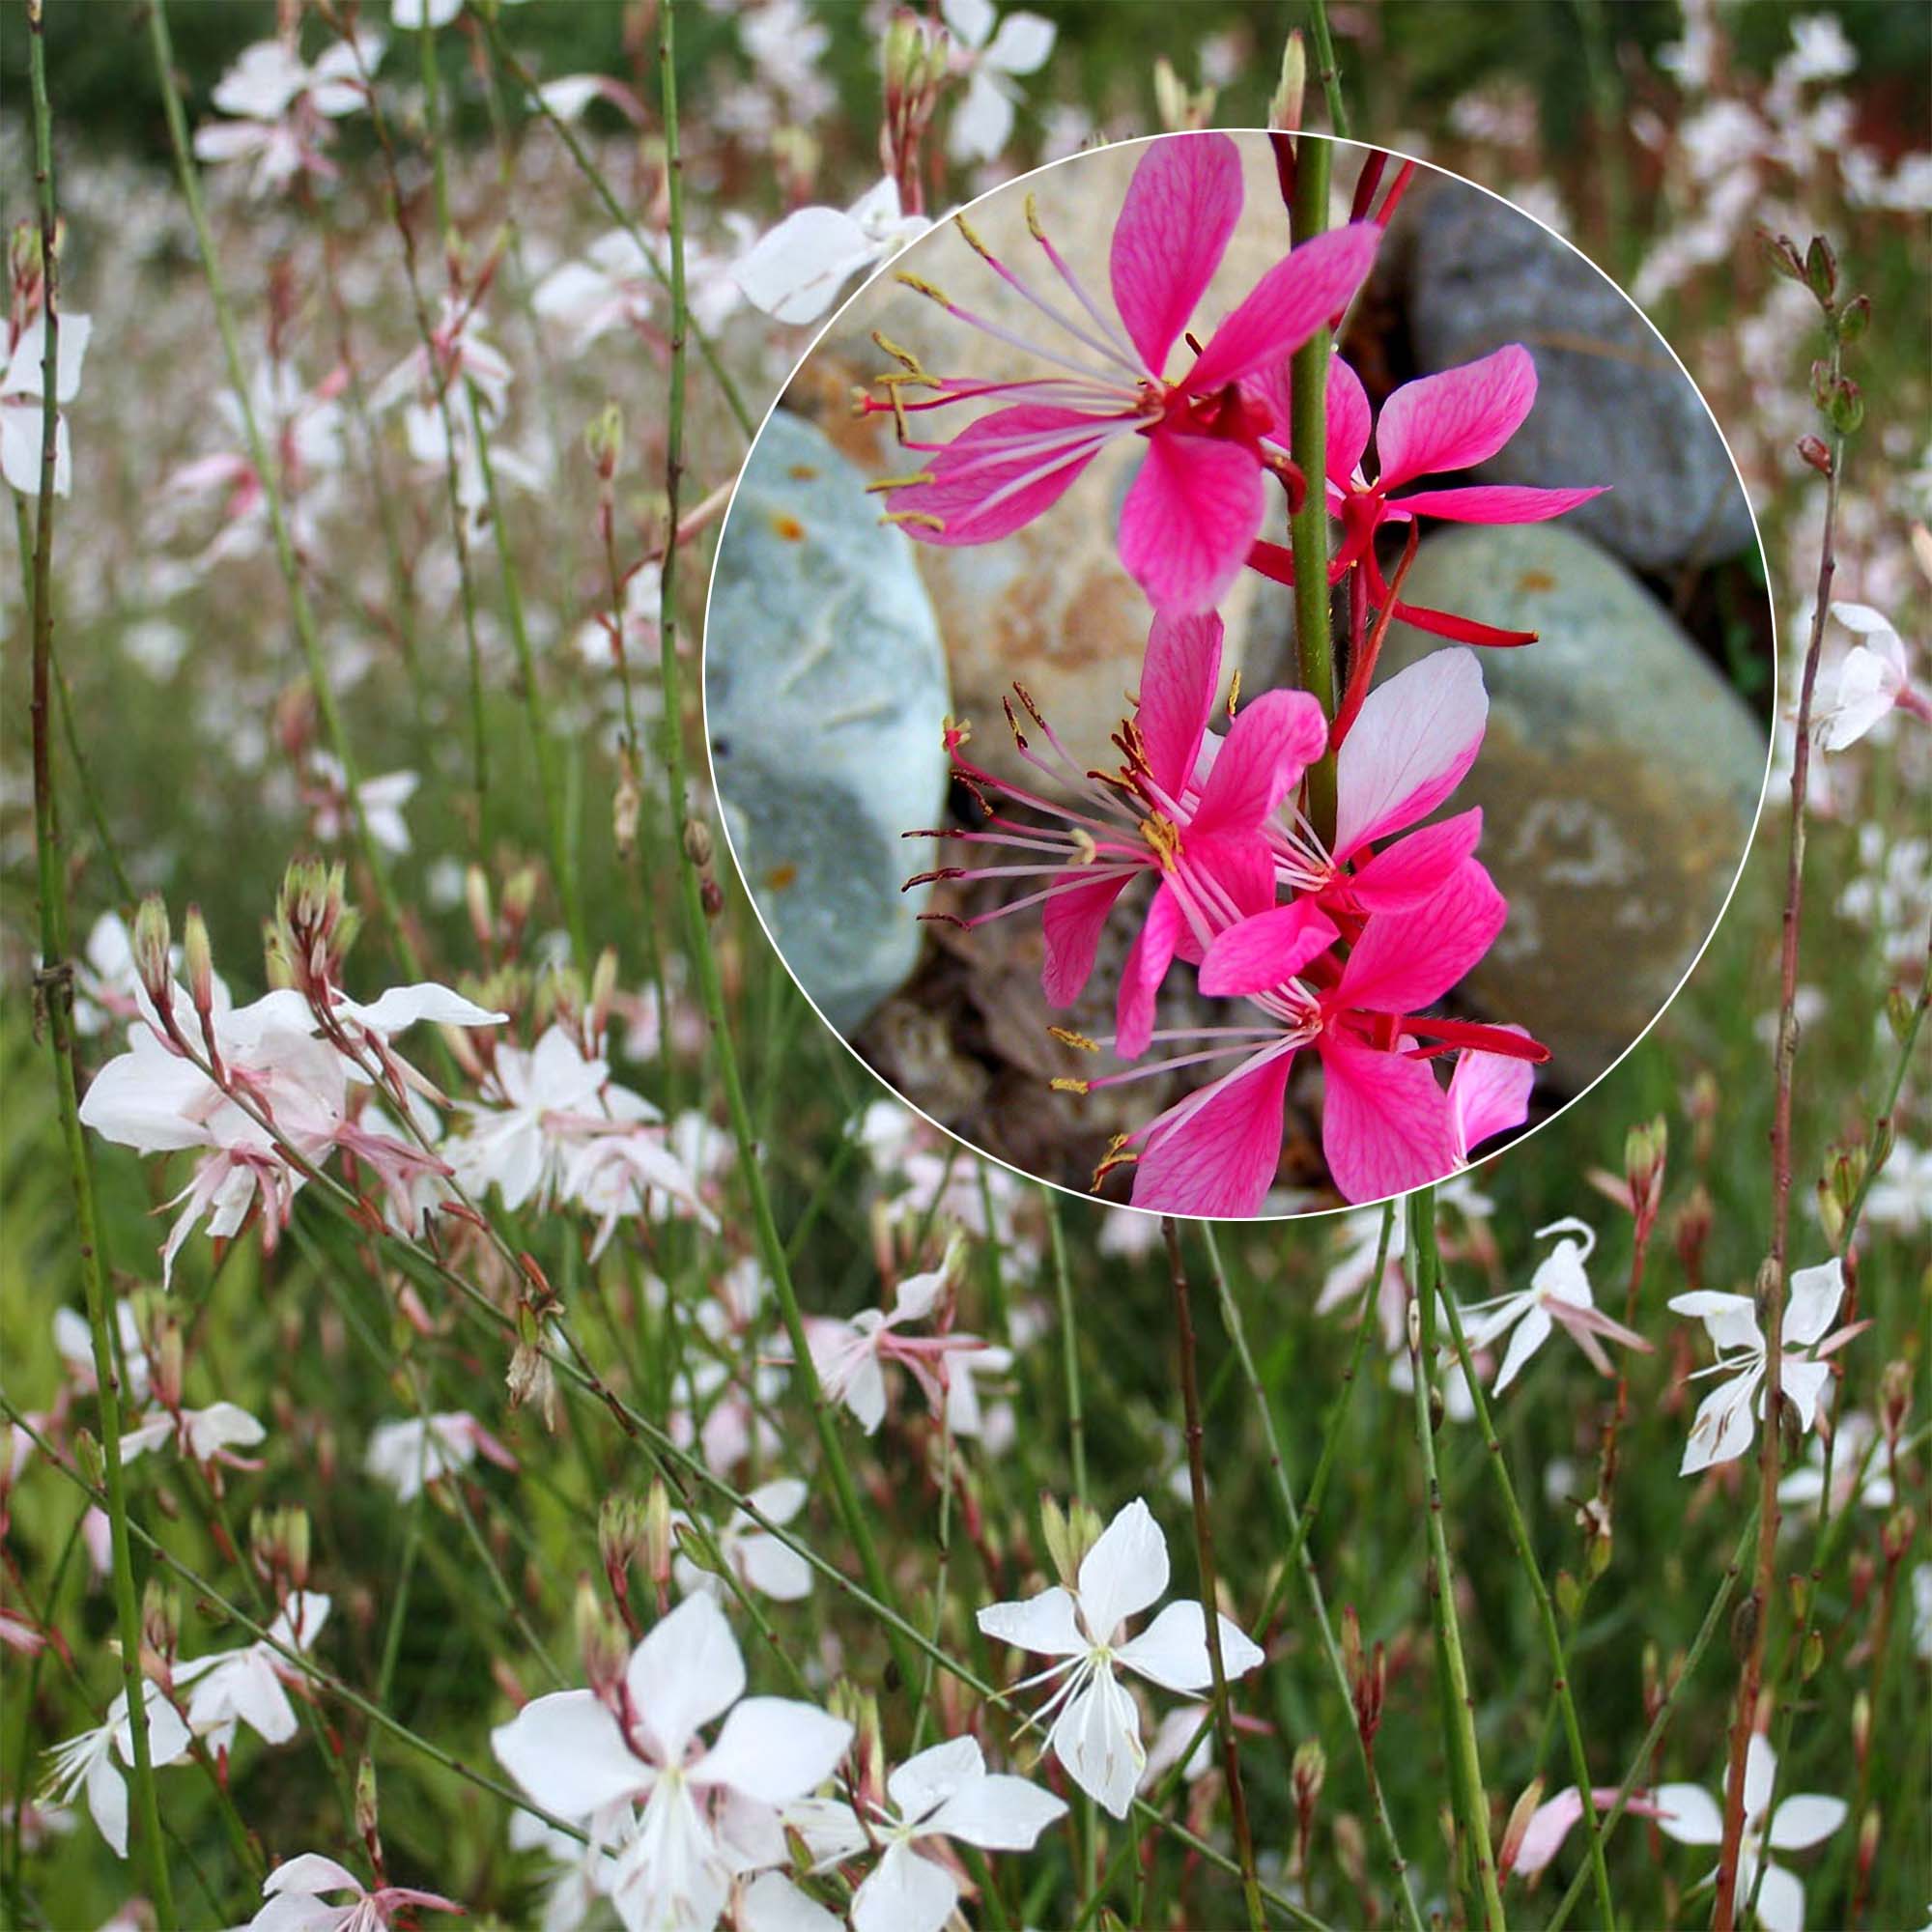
1619 780
1612 406
826 695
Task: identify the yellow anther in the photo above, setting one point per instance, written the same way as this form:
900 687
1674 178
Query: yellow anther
1163 839
1234 692
1083 843
898 482
923 287
919 516
905 358
1067 1037
973 241
1034 228
1066 1086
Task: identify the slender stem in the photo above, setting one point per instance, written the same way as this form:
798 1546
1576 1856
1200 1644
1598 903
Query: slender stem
1308 437
1070 1345
54 985
1459 1715
1298 1523
1774 1280
1326 69
1203 1544
1546 1614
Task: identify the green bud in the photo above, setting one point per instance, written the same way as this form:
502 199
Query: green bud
1846 408
1854 319
604 440
93 1464
1821 269
1814 1654
367 1808
1285 108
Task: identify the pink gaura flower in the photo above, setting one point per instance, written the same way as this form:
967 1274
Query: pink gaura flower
1197 505
1438 423
1187 809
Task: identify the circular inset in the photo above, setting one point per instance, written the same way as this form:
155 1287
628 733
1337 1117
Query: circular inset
1041 795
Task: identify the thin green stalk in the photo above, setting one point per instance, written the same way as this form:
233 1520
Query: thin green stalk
1459 1712
1298 1523
1069 1346
1203 1544
1308 438
1546 1614
261 457
1326 69
54 985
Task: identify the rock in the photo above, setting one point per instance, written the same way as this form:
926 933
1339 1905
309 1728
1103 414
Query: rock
825 698
1612 405
1620 781
1049 605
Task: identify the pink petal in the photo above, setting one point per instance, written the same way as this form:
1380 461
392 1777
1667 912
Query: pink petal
1410 744
1189 519
1407 960
1140 979
1384 1120
1179 675
1181 208
1348 421
1493 503
1294 299
1072 921
1489 1094
1460 630
971 471
1272 741
1262 951
1412 870
1220 1160
1456 419
1241 865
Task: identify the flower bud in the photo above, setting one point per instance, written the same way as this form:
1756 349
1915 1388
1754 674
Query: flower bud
1895 1538
25 267
1895 1399
1177 106
1780 251
152 943
602 1642
519 895
603 441
1862 1725
1285 105
1514 1832
1900 1010
1568 1595
88 1459
860 1710
711 895
1308 1772
697 847
199 958
1813 1655
1821 269
1845 406
1814 452
161 1619
1868 1837
656 1543
627 803
1854 319
476 901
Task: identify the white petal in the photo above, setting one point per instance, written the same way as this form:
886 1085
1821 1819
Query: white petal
1863 619
1806 1820
1022 45
905 1893
1729 1320
687 1671
1781 1901
1531 1332
982 121
107 1800
1043 1624
1760 1776
1722 1428
773 1748
1096 1737
1000 1814
404 1006
1813 1302
926 1781
1173 1650
769 1566
1124 1572
969 22
772 1903
795 272
865 1393
1690 1814
1803 1383
566 1750
311 1872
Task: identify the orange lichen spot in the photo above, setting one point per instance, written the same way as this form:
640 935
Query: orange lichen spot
788 527
780 877
1536 580
801 473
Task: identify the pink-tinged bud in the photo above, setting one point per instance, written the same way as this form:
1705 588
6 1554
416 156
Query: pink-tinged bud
1351 1644
1308 1772
368 1807
1895 1399
152 944
1862 1573
621 1542
1520 1814
914 58
1814 452
25 269
603 991
1177 106
1352 1848
1869 1828
165 1357
519 895
198 957
1895 1538
603 441
1862 1725
711 895
1285 105
602 1644
1653 1684
476 902
1782 252
860 1710
1645 1148
1845 406
161 1619
656 1536
627 803
1821 269
1854 319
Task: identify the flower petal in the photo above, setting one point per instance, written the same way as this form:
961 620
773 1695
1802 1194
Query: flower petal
905 1892
1384 1120
687 1671
1456 419
1407 960
566 1750
1265 950
1297 296
1072 920
1489 1094
1097 1738
773 1748
1410 872
1412 741
1272 741
1809 1819
1690 1814
1531 1332
1145 967
1001 473
1181 210
1173 1650
999 1813
1043 1624
1813 1303
1189 517
926 1780
1493 503
1124 1572
1179 677
1218 1156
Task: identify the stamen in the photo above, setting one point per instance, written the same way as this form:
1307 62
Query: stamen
1064 1085
922 518
1234 694
1066 1036
886 483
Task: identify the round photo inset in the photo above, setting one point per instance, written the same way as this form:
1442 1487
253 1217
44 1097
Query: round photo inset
1226 674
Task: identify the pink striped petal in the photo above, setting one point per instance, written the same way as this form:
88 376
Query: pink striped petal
1412 741
1072 920
1273 739
1189 519
1456 420
1294 299
1262 951
1407 960
1179 675
1181 208
1348 419
1489 1094
972 490
1384 1120
1241 865
1412 870
1220 1158
1140 979
1490 503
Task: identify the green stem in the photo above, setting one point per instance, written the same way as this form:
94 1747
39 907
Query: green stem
55 985
1308 438
1069 1346
1459 1714
1326 69
1546 1614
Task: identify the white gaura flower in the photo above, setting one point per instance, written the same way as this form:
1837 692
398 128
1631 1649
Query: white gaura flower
295 1894
628 1174
709 1813
984 121
210 1435
944 1793
281 107
1559 1290
407 1455
1690 1814
1870 680
87 1762
1726 1417
1096 1733
616 286
383 799
23 399
247 1686
796 271
755 1556
74 1339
